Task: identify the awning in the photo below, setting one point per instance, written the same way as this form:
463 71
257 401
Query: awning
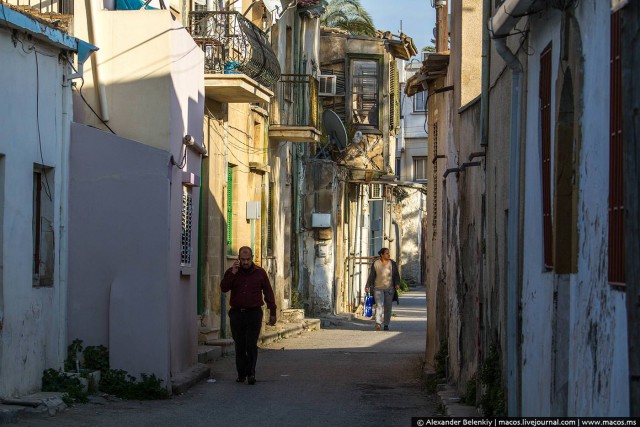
434 66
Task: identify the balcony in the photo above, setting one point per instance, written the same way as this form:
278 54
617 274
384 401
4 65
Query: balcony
240 66
296 115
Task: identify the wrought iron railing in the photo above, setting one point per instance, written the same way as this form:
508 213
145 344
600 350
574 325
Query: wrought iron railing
297 101
233 44
63 7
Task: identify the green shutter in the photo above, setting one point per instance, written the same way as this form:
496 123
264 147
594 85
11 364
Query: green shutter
270 221
394 97
229 209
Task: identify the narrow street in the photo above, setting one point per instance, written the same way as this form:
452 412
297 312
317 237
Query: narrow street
345 374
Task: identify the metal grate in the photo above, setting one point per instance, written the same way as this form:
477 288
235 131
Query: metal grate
545 116
299 103
434 212
233 44
187 216
364 92
616 159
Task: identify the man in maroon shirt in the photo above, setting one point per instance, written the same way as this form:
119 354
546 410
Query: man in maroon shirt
247 283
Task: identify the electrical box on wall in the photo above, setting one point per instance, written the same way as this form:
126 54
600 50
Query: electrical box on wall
321 220
253 210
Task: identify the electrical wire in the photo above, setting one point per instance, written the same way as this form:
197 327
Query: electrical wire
89 105
46 180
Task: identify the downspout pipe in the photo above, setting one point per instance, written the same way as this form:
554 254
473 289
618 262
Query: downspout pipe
513 243
500 25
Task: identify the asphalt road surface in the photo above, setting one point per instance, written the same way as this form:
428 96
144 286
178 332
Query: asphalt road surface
345 374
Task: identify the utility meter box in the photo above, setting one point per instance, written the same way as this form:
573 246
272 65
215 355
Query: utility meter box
321 220
253 210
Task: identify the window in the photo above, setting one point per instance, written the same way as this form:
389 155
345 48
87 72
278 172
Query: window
187 217
42 226
364 92
420 102
398 167
616 160
270 202
420 168
229 209
545 120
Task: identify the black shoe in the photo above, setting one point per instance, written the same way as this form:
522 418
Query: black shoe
386 327
252 380
240 379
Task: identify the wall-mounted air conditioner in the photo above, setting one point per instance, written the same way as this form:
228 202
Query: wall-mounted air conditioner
327 86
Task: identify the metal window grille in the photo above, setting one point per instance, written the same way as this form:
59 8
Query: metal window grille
616 160
545 116
229 209
187 217
270 220
434 215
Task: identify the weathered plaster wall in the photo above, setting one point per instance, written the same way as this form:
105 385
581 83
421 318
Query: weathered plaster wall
595 355
32 319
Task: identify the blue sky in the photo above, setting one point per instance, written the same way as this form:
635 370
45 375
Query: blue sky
418 18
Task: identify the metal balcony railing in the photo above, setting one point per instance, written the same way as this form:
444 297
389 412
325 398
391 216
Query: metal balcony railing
233 44
297 101
63 7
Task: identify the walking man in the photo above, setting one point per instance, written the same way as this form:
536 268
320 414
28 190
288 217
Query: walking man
247 283
384 281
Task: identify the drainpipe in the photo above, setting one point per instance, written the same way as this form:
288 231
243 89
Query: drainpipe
486 60
513 222
98 84
63 254
500 25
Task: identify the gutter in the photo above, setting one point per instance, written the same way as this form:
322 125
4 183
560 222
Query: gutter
500 25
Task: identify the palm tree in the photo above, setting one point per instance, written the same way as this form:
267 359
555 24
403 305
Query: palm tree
348 15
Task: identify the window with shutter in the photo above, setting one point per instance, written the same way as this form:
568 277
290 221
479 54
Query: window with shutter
616 158
230 209
270 220
545 120
394 98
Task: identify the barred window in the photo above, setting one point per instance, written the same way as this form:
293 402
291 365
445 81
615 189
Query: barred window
187 216
364 92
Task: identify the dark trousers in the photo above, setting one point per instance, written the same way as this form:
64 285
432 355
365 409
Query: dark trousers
245 329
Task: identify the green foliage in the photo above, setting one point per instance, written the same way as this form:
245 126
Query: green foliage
469 397
404 286
442 357
73 348
493 399
96 358
121 384
441 367
58 381
348 15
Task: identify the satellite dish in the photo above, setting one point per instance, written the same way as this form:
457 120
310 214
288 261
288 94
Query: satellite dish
335 129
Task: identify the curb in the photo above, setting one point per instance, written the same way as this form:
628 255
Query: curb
450 400
272 334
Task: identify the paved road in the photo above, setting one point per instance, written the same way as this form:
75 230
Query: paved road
345 374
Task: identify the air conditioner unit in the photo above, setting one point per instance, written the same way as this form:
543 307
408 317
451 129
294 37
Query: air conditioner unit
375 192
327 86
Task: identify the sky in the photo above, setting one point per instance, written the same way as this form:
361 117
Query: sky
417 16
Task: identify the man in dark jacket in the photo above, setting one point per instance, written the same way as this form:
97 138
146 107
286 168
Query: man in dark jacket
247 283
384 281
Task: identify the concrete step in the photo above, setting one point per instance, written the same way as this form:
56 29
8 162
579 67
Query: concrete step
209 353
227 346
205 334
186 379
292 315
38 404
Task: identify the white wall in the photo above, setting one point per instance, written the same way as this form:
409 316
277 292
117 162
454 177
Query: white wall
34 123
596 363
118 246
